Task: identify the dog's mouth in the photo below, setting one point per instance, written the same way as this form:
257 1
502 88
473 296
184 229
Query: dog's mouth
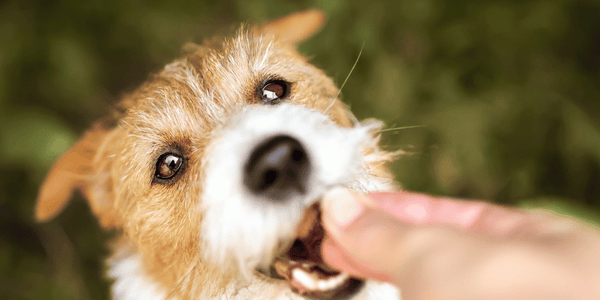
303 267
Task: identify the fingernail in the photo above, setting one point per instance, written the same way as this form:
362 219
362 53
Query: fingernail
342 206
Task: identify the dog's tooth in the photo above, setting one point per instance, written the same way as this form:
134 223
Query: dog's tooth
305 265
334 282
293 262
304 278
323 285
331 283
328 284
340 278
311 282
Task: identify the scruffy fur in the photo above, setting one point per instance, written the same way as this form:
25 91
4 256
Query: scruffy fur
201 236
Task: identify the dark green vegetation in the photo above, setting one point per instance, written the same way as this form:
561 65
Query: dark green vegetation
507 93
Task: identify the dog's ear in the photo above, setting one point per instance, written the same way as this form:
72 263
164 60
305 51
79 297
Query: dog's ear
296 27
77 169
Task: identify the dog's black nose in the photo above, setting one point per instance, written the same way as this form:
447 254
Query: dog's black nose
277 168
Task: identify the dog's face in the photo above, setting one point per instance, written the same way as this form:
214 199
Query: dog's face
215 166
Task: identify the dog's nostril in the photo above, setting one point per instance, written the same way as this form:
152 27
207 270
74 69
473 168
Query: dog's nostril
277 168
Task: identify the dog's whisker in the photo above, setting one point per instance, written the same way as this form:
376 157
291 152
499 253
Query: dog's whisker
346 80
351 116
402 128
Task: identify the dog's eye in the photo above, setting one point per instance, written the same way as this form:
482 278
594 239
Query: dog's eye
168 165
273 91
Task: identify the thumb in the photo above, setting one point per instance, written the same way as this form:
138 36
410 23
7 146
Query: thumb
361 239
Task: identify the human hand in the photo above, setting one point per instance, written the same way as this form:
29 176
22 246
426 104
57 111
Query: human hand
436 248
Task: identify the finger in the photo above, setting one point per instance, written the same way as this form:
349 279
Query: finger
369 240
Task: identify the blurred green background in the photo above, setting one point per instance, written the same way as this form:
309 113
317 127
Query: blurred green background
506 94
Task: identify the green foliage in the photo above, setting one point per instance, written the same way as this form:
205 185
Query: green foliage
506 93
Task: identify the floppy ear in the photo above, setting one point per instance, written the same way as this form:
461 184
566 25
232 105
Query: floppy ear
295 27
76 170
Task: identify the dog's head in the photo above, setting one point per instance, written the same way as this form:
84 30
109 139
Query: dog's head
214 167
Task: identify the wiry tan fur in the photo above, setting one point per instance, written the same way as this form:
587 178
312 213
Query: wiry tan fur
185 106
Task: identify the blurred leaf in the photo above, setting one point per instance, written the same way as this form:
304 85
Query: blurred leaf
582 134
34 139
72 72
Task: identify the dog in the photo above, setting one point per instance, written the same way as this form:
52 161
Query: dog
211 173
